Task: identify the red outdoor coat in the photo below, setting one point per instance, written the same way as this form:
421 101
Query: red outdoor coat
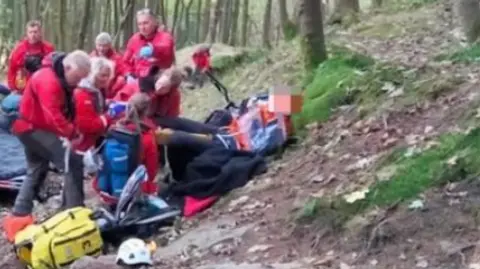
149 155
201 59
121 70
163 52
90 118
17 58
43 105
167 105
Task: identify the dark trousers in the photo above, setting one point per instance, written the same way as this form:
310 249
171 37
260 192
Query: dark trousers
41 148
186 125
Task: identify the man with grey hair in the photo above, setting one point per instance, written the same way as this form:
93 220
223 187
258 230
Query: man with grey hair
151 46
46 116
104 48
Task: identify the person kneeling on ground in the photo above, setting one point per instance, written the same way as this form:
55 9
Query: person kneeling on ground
138 107
46 116
91 118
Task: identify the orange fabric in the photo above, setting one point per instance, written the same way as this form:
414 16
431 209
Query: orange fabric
14 224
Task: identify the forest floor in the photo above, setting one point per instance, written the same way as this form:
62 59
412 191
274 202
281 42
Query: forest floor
404 166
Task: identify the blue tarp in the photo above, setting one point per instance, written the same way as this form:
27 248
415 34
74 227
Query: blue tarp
12 157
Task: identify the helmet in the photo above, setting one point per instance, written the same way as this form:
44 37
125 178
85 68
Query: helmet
134 251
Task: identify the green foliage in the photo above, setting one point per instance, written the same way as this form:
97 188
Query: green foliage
464 55
453 159
222 64
398 5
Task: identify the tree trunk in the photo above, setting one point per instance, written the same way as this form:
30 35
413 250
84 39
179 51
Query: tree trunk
84 26
61 24
198 21
288 27
217 13
344 11
468 12
129 25
206 19
175 15
227 19
267 18
163 12
244 23
234 28
311 29
377 3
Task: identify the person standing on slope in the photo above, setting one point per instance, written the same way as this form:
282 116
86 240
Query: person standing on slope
151 46
26 56
46 117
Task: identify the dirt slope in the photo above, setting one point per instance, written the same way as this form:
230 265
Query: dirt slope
254 226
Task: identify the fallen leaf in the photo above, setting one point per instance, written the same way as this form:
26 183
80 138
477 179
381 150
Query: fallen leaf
259 248
355 196
417 204
452 161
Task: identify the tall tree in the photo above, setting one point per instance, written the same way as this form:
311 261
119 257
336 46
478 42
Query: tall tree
206 19
311 29
245 10
234 28
267 20
227 19
468 12
344 9
84 26
288 27
217 14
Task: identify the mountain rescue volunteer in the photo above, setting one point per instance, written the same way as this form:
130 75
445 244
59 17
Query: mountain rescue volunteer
26 56
46 117
91 118
151 46
104 48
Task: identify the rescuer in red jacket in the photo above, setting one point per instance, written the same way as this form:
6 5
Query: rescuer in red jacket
26 56
139 104
91 118
104 48
151 46
47 115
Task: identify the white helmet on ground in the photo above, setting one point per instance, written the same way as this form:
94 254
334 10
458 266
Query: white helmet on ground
134 251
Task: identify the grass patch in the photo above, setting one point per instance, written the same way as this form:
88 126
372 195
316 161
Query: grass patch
465 55
350 78
222 64
455 158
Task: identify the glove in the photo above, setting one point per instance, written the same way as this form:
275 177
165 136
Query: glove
146 51
116 108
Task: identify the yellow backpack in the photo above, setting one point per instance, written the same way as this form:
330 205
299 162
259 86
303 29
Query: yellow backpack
60 240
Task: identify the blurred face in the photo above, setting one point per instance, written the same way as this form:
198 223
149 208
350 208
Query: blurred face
34 34
163 84
103 49
102 79
146 24
74 75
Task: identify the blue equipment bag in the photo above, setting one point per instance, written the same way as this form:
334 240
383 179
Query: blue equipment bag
121 156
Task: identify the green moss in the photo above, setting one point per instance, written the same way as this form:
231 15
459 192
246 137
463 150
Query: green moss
330 83
464 55
455 158
222 63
